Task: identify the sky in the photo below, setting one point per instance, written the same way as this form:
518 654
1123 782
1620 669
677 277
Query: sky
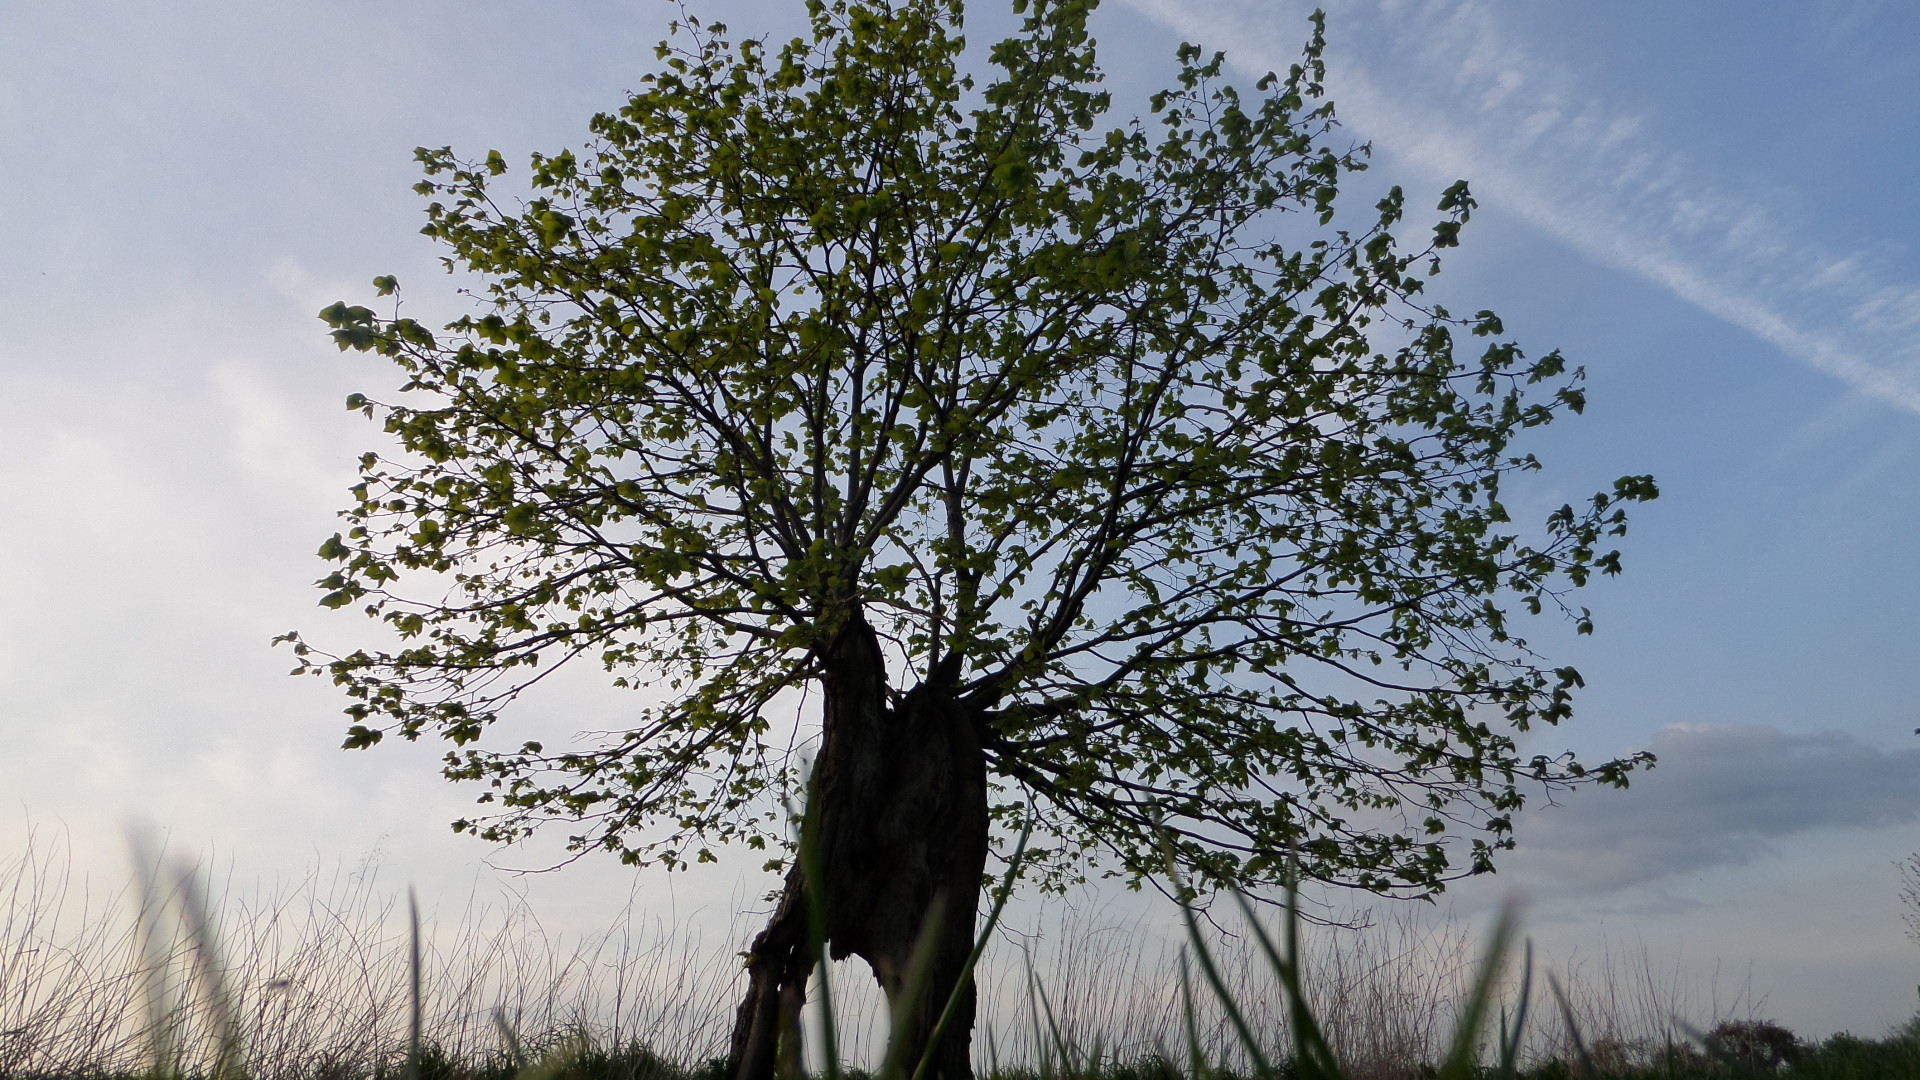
1708 206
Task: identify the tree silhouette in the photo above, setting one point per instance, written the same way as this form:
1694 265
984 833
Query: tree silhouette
1042 463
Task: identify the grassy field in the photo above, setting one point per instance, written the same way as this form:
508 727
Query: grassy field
317 979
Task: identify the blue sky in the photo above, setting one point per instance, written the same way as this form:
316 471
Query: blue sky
1709 206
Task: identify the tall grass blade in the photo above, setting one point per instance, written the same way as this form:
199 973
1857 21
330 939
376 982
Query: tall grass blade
1261 1066
413 985
1462 1061
979 946
157 989
1197 1066
1581 1056
902 1012
229 1053
1062 1052
1041 1044
1313 1058
510 1039
1509 1063
814 873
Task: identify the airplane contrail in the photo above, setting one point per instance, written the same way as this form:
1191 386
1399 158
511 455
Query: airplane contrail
1441 86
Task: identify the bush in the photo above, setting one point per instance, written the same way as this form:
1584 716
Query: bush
1755 1044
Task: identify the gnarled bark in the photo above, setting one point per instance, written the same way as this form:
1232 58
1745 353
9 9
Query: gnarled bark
901 791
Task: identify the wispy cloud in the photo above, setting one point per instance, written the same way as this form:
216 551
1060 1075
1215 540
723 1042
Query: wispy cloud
1443 86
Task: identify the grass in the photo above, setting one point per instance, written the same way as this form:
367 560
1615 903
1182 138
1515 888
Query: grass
317 975
316 980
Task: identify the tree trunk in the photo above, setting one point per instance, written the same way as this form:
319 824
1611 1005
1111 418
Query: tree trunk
902 794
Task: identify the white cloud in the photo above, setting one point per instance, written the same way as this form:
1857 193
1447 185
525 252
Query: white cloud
1443 86
275 439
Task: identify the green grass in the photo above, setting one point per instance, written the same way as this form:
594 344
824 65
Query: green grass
318 982
1839 1058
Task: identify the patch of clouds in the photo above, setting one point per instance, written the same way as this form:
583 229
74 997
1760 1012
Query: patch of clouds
306 291
275 440
1849 19
1444 86
1720 796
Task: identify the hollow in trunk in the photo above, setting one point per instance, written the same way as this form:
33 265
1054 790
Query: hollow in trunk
900 787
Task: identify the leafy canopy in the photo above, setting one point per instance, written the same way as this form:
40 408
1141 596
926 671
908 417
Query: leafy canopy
1109 428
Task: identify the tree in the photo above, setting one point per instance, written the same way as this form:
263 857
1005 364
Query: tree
1054 469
